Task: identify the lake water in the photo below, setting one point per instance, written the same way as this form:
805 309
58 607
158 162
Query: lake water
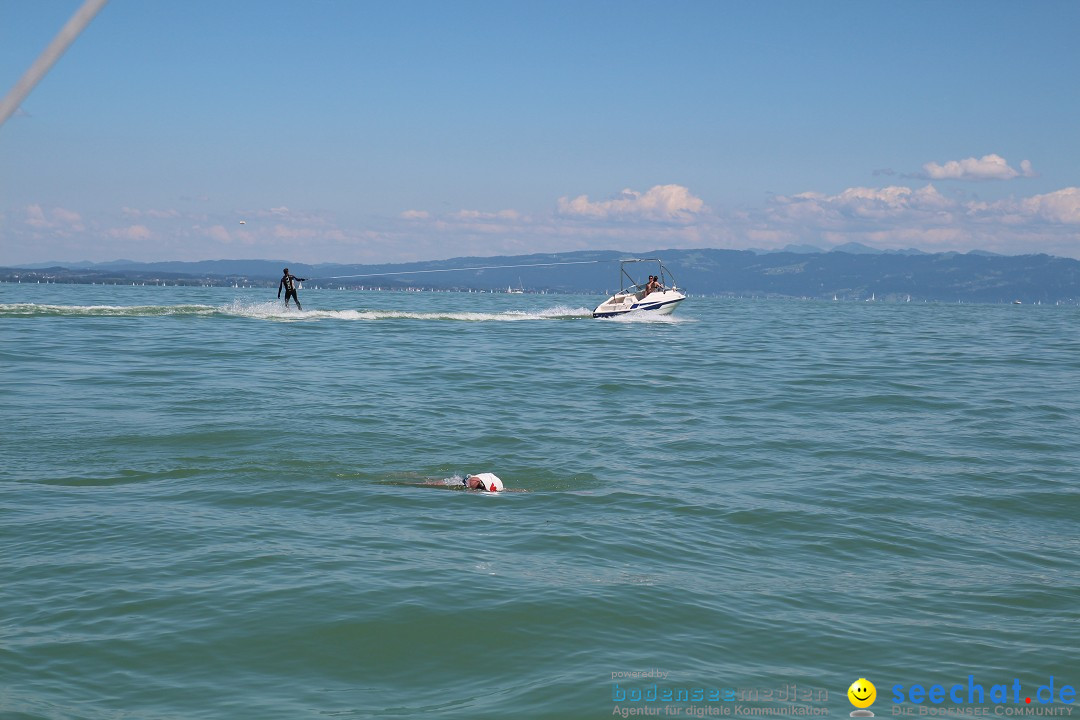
214 508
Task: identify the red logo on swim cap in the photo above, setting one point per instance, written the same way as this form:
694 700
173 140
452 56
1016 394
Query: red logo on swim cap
492 488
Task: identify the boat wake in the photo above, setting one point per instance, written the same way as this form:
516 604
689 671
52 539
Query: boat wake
39 310
275 311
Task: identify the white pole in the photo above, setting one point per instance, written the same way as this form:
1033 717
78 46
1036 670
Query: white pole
60 43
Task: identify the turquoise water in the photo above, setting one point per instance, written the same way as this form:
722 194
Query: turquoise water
212 508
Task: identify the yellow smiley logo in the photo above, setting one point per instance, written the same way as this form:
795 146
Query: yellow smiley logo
862 693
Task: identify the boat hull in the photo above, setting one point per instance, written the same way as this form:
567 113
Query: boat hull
661 303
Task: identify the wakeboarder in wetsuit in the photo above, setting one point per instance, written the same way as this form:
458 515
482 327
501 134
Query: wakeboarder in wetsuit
290 288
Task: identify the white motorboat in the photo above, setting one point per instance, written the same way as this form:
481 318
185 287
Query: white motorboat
634 296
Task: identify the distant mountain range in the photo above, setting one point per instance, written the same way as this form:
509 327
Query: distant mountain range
850 272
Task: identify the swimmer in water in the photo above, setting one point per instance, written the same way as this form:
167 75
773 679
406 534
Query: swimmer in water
479 482
486 482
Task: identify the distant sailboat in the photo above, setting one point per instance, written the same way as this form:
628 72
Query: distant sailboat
520 290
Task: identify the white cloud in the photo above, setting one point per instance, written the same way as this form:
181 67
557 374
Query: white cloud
901 217
67 217
294 233
988 167
152 213
283 214
131 232
1062 206
58 219
888 216
35 217
218 233
893 201
480 215
892 216
661 202
616 224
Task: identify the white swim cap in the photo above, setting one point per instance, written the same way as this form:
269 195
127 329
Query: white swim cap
491 481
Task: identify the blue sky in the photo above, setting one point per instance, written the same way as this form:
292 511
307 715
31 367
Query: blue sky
381 132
